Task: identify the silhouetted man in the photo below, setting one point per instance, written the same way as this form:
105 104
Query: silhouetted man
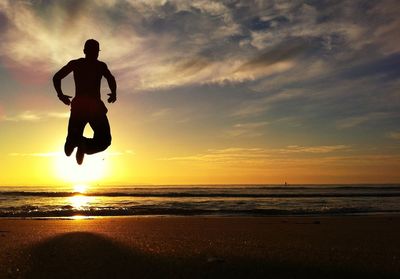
86 106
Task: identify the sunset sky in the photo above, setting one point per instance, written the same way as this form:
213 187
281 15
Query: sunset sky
208 91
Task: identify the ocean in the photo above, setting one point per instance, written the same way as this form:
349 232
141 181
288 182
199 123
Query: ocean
226 200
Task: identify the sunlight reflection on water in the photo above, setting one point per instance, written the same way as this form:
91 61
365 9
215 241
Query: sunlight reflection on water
80 202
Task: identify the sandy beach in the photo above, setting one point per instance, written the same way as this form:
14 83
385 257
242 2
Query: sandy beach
201 247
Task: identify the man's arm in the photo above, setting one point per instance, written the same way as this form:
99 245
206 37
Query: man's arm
62 73
112 84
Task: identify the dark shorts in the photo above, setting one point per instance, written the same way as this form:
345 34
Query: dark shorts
88 106
93 112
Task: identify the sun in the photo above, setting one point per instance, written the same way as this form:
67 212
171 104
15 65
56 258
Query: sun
80 188
93 169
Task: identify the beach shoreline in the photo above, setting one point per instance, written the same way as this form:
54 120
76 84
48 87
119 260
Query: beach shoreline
201 246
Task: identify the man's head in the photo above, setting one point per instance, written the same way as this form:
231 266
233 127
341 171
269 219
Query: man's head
91 49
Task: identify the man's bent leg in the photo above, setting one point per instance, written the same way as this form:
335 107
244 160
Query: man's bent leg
76 126
101 137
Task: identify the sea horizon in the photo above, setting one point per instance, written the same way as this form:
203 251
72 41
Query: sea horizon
200 199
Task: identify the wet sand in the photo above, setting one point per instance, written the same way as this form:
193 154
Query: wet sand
202 247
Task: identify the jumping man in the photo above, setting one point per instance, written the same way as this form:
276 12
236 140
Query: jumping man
86 106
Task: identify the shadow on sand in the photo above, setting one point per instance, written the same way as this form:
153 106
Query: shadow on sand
88 255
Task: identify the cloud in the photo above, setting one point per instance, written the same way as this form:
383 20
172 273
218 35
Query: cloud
120 153
34 116
152 45
61 154
24 116
276 54
260 105
238 154
394 135
44 154
233 154
350 122
313 149
161 113
310 160
248 129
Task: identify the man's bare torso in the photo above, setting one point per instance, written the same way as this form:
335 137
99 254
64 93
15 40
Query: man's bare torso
87 77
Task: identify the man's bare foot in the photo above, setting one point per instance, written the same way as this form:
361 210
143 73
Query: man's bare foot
69 148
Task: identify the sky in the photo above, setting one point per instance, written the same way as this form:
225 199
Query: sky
209 92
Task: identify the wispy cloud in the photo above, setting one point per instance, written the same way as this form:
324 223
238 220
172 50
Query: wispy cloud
353 121
43 154
394 135
34 116
24 116
248 129
263 104
120 153
307 160
59 153
161 113
313 149
239 155
233 154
